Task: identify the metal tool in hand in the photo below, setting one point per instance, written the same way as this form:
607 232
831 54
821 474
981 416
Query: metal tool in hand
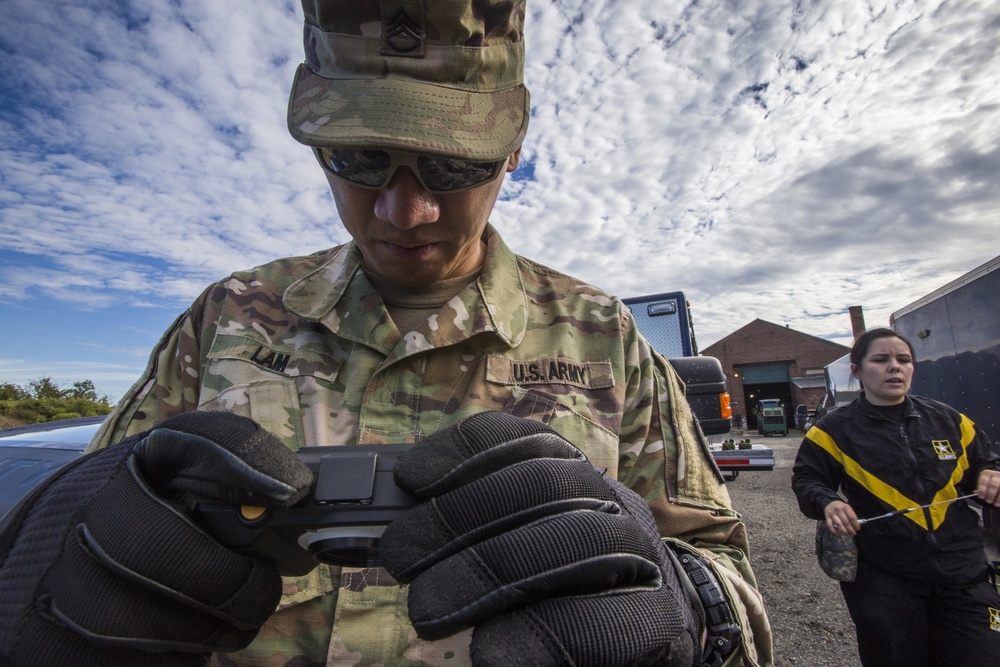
914 509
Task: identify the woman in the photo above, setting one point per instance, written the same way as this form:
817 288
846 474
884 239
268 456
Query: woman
921 595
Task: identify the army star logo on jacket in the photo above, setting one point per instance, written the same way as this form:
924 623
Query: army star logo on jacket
943 450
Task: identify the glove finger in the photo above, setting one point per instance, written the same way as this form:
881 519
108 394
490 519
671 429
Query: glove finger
63 646
483 508
620 628
569 554
159 576
222 457
476 447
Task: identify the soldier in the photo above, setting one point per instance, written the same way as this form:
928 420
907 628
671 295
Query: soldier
916 583
425 329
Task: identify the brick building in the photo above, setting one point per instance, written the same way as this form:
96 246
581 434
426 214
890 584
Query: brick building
766 360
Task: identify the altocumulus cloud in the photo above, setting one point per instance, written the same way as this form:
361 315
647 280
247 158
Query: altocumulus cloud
771 159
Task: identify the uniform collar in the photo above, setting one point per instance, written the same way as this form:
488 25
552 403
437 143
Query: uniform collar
339 295
909 407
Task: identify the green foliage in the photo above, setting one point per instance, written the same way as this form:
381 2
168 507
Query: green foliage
84 389
45 388
12 392
45 401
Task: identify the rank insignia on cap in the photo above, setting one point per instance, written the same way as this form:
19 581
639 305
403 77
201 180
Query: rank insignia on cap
438 77
994 619
403 35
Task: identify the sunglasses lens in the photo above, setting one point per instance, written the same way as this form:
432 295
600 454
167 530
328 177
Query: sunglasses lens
371 168
364 167
443 174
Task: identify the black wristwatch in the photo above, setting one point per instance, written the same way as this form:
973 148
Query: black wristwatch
723 632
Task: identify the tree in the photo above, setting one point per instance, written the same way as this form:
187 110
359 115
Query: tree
84 389
45 388
12 392
44 401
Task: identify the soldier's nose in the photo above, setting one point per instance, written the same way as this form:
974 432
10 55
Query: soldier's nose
404 203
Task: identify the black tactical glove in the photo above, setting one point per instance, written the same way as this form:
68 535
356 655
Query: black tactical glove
553 562
101 564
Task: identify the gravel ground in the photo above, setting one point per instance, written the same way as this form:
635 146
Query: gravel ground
809 620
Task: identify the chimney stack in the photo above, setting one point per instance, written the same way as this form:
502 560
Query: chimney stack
857 320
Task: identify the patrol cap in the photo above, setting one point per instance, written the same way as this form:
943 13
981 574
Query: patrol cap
443 77
837 554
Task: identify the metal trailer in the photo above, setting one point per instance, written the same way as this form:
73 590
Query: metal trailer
665 321
734 461
955 333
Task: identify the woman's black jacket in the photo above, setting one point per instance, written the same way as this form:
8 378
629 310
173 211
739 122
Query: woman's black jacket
881 466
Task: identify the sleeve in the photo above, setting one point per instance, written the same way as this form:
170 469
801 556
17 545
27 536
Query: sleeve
982 453
816 476
666 459
168 386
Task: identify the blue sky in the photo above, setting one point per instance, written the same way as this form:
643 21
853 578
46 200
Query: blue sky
772 159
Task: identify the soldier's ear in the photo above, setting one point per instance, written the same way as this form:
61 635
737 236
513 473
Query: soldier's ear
514 160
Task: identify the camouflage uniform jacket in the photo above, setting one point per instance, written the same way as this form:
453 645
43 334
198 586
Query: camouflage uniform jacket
306 347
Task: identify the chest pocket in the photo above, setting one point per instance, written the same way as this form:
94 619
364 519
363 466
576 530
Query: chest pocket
598 443
288 389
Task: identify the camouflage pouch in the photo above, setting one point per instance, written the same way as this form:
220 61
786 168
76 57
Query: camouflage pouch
838 556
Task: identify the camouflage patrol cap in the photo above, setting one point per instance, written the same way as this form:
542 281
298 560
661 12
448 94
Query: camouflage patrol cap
444 77
837 554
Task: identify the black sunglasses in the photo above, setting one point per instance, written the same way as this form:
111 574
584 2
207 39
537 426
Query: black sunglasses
374 168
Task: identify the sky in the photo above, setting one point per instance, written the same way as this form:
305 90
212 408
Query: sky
774 159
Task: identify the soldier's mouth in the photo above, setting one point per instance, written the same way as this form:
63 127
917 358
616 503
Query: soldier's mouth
411 252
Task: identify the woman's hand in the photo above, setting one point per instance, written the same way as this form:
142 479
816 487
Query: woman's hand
841 519
988 487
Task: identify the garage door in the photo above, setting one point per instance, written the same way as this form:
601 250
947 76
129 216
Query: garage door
765 374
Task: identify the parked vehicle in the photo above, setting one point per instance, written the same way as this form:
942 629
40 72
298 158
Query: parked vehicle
771 417
665 321
841 389
29 454
802 414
